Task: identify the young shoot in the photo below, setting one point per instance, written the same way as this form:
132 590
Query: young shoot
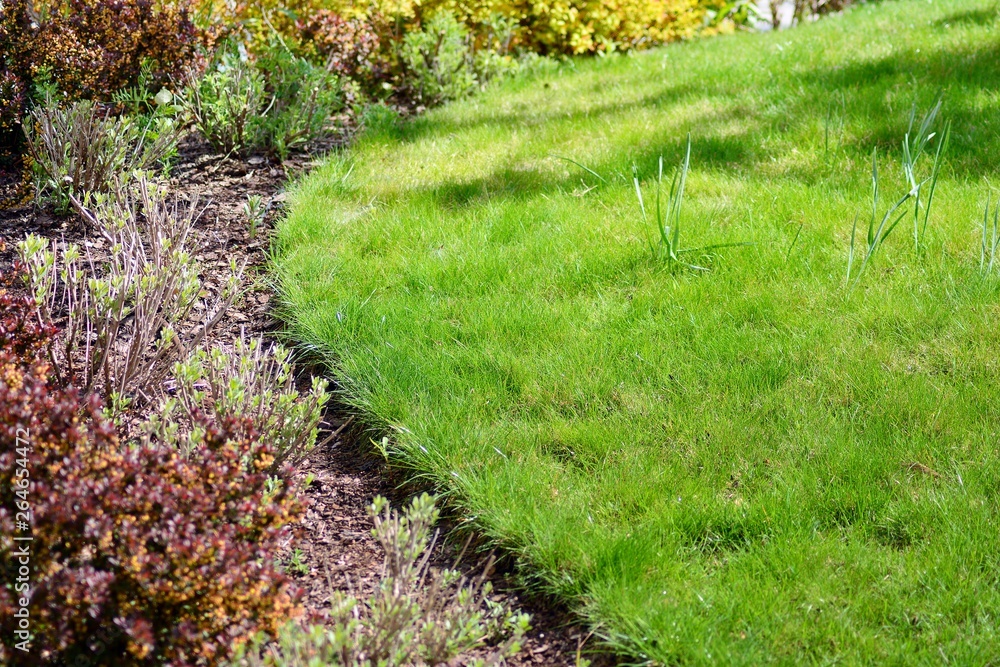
878 228
255 211
667 215
915 144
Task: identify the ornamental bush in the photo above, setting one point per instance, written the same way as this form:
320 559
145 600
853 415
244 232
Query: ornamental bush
88 49
92 48
14 71
543 26
350 46
138 555
557 26
277 102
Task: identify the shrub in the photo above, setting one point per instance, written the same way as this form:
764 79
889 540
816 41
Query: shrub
302 98
278 103
254 382
558 26
439 58
95 47
138 557
130 324
418 615
350 47
82 148
87 49
225 101
443 61
542 26
14 70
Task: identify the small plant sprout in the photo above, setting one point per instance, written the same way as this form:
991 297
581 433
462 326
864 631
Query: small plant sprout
668 214
255 211
991 237
914 146
878 228
418 614
297 563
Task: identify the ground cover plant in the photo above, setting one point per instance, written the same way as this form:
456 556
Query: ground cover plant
760 461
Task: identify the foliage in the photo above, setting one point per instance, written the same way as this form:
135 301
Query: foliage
138 556
128 324
418 615
915 143
255 383
367 36
94 47
14 69
558 26
225 101
438 56
83 148
302 98
667 214
351 47
564 26
277 103
89 49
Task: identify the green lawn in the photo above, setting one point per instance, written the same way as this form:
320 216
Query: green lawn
742 465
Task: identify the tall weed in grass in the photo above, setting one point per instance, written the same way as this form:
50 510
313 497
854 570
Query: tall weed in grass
667 214
914 146
878 228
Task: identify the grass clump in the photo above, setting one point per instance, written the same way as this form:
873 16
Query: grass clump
738 466
914 146
667 214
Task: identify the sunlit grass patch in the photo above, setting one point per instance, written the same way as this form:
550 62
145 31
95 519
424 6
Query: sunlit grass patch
756 462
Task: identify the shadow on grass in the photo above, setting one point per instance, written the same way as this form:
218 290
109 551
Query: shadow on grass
878 96
984 16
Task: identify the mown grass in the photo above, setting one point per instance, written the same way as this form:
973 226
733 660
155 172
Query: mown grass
755 463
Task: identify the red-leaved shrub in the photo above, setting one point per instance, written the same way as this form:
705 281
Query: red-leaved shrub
138 556
14 23
88 49
95 47
349 46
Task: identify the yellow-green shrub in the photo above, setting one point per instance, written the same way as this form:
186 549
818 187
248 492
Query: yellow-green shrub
545 26
568 26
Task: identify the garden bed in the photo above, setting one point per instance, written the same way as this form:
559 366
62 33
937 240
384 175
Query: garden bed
337 551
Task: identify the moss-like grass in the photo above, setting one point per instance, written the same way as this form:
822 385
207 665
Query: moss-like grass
742 465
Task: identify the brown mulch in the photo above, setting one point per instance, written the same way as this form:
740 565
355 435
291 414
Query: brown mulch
335 540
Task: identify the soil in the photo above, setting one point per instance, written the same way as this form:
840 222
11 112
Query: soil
335 539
